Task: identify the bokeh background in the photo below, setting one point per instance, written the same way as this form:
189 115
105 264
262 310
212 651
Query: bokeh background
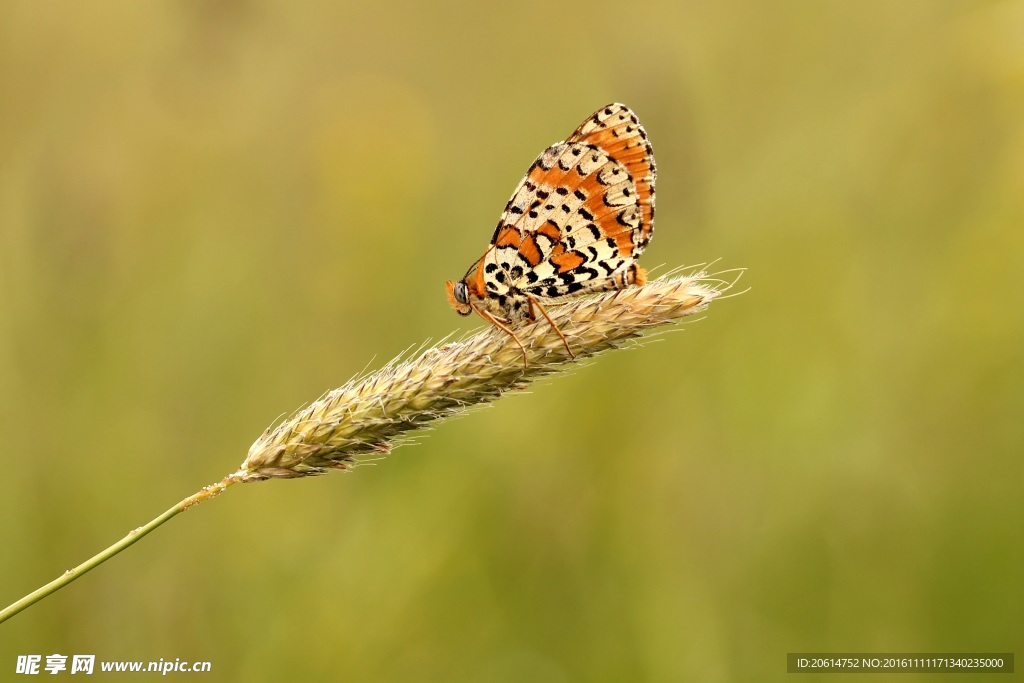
212 212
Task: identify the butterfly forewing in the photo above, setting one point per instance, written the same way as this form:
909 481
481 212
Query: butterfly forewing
617 131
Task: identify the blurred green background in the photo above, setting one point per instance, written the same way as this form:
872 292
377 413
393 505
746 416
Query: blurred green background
212 212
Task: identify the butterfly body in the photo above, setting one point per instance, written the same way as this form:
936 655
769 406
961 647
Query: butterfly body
576 224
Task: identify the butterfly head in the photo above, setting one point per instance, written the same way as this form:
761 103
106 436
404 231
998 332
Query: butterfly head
458 297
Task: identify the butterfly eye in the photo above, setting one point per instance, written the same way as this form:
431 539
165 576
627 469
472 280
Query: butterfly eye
461 294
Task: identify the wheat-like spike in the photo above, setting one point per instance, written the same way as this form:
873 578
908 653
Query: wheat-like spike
373 414
369 415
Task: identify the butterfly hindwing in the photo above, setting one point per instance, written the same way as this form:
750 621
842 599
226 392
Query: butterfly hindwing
583 213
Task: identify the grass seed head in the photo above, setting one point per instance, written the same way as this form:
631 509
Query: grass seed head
371 415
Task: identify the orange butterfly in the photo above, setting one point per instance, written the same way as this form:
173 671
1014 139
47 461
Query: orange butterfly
576 224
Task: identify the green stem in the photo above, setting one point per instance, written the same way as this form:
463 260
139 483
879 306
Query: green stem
70 575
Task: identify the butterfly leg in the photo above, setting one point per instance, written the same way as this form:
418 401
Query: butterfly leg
534 302
504 328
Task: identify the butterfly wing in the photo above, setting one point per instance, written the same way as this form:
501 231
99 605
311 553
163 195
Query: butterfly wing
582 215
618 133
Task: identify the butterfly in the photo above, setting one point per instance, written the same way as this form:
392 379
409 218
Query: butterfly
576 224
